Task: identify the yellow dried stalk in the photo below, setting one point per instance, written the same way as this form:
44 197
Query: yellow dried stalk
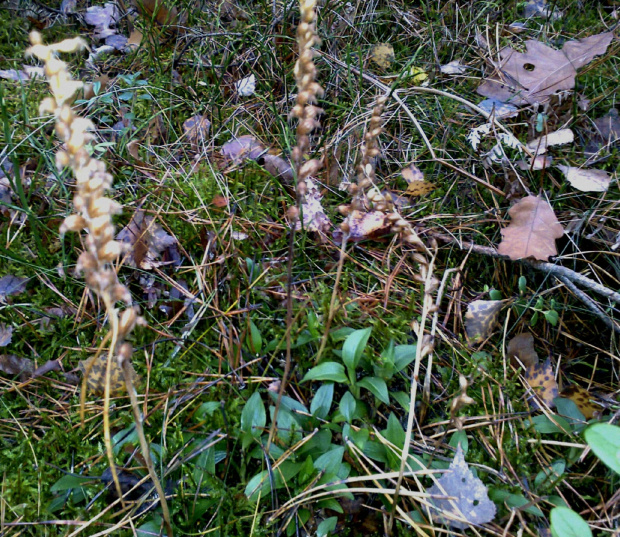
93 217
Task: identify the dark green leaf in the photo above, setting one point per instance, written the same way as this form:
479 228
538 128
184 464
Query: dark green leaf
377 387
347 406
327 525
322 401
327 371
354 347
254 417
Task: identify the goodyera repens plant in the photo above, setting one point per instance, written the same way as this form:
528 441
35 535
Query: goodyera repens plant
308 90
93 216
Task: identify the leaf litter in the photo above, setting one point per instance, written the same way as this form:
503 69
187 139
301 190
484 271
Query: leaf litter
145 240
532 231
465 499
11 285
539 376
481 318
535 75
586 180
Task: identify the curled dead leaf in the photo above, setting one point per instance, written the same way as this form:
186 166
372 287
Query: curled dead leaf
15 365
560 137
196 129
242 148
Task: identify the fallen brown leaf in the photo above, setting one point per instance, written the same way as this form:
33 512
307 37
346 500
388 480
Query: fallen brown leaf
15 365
521 351
146 241
95 368
533 76
532 230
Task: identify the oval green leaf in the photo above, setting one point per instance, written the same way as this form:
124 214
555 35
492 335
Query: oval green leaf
326 371
604 439
377 387
566 523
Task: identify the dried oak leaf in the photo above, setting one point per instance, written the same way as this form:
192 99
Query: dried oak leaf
582 398
11 285
481 318
521 351
532 230
465 497
541 380
14 365
146 241
533 76
95 370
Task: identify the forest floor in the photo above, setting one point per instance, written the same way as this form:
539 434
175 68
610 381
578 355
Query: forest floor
511 354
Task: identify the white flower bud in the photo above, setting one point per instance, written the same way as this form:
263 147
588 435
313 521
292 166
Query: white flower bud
74 222
110 251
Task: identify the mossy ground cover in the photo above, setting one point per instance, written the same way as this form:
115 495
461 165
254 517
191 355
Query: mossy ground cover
216 313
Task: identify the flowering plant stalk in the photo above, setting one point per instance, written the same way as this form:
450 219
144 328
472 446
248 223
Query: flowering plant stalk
93 218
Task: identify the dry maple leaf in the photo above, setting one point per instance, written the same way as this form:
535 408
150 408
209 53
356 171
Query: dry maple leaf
533 76
532 230
146 240
481 318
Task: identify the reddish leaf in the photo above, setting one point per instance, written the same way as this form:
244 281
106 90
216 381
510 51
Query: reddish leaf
532 231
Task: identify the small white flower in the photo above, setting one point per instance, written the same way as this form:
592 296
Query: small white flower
246 86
